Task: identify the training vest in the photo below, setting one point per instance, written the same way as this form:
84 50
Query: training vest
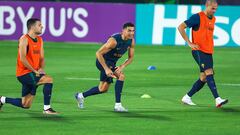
204 35
33 56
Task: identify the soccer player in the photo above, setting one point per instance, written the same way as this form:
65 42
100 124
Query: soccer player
202 25
107 57
30 69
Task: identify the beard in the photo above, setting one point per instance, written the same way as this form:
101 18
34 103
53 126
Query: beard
38 32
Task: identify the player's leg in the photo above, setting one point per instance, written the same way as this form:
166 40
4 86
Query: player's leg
24 102
27 97
28 93
198 84
119 87
207 65
118 90
212 85
47 83
27 101
102 88
211 82
13 101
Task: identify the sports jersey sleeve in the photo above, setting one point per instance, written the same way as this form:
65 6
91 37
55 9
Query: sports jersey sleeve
193 21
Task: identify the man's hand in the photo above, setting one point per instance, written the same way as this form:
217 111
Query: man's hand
41 71
193 46
109 73
37 73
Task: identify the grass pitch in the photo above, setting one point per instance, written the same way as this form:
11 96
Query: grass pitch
73 68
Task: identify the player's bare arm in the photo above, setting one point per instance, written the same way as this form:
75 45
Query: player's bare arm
109 45
42 62
23 42
128 61
181 29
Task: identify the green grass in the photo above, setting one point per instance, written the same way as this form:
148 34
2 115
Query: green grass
162 114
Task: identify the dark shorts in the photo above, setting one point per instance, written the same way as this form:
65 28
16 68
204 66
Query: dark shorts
103 76
29 83
204 60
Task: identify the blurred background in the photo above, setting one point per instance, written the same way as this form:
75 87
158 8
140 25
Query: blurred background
221 2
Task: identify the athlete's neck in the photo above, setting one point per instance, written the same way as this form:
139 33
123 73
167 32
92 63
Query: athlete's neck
32 35
207 14
123 37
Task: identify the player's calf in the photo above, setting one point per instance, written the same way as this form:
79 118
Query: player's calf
103 87
26 105
13 101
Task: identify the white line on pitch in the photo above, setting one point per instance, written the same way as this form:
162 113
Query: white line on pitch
230 84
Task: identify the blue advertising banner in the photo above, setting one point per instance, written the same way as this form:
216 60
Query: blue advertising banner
157 24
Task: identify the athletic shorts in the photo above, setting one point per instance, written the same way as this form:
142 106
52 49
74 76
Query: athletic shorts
29 83
103 75
204 60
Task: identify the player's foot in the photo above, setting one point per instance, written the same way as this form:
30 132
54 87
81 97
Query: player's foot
49 111
80 99
1 104
187 100
120 108
220 102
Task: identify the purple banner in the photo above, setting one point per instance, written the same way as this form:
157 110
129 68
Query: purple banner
65 21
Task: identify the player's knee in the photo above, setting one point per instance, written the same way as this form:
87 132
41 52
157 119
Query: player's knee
203 78
103 90
121 77
209 71
26 105
49 80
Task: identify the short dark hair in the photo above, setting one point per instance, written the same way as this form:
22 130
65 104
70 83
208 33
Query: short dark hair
128 24
31 22
211 1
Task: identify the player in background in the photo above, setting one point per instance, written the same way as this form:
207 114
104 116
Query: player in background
202 25
107 57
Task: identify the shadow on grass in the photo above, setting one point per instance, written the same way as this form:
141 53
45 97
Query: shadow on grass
22 116
231 110
143 115
45 117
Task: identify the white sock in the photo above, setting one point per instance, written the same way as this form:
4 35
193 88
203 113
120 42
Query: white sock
118 104
45 107
3 99
218 98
